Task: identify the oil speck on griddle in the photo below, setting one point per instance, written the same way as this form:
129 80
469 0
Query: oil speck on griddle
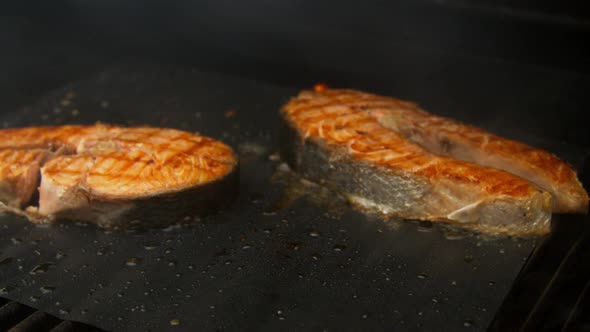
340 247
5 260
133 261
314 233
6 290
47 289
41 268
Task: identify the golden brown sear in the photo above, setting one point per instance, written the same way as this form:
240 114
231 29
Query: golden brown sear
79 165
389 155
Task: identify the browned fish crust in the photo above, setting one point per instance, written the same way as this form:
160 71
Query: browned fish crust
102 174
348 138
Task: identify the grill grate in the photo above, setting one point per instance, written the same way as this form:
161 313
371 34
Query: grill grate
17 317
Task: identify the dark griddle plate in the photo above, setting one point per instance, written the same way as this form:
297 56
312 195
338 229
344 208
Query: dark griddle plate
251 267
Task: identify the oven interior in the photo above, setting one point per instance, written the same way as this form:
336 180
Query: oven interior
286 256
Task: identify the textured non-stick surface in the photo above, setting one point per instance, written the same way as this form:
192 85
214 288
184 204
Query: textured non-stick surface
252 267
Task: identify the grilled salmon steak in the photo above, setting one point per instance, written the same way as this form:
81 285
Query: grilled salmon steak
389 155
114 176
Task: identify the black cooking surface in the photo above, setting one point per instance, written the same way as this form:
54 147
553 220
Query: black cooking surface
261 265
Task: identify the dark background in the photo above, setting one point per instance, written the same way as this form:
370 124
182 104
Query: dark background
367 45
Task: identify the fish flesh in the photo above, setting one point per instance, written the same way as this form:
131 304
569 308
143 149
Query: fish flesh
114 176
390 156
444 136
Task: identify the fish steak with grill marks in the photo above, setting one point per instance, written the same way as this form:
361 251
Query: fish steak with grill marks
114 176
390 156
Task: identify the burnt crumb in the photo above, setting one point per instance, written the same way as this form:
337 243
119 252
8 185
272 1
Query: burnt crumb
319 87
